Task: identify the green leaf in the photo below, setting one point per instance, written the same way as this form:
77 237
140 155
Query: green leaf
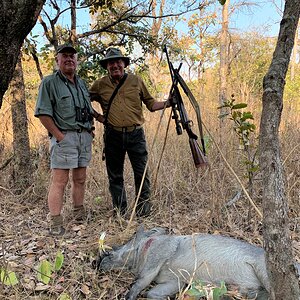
219 291
222 2
247 126
64 296
239 106
59 260
8 278
223 288
236 115
253 169
45 272
248 115
195 293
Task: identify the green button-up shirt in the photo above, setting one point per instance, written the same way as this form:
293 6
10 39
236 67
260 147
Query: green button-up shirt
126 108
58 98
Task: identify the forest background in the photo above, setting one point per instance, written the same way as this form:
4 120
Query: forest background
224 198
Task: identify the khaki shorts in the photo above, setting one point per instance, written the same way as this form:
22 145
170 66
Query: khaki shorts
74 151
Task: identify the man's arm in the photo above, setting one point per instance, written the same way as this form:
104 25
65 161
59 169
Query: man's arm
95 97
160 105
100 118
49 124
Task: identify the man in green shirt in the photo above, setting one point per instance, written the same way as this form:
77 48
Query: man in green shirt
64 109
123 119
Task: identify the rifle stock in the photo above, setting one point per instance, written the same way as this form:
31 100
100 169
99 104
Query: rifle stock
198 155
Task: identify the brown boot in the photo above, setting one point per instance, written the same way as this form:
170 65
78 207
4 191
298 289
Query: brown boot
79 214
56 225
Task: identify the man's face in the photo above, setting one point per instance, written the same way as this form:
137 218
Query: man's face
67 62
115 68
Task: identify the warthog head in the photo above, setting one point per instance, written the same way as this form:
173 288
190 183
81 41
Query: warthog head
124 256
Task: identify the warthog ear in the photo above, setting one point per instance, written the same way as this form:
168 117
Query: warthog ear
140 232
157 231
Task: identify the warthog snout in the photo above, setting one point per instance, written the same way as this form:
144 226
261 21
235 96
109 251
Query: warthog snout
96 263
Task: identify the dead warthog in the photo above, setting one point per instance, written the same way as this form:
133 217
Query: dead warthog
173 261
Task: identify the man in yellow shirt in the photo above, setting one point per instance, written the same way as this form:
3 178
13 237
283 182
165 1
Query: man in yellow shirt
123 119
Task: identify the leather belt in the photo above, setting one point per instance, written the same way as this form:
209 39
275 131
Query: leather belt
81 129
125 128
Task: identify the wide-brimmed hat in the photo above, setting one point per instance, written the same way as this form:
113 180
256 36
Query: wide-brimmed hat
113 53
66 48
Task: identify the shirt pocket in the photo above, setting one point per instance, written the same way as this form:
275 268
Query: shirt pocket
65 106
132 96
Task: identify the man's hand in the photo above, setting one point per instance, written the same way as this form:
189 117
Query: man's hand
100 118
168 103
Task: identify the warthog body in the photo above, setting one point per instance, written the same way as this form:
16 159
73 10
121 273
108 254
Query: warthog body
172 261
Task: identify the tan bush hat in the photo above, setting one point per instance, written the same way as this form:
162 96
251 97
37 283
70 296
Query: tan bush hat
113 53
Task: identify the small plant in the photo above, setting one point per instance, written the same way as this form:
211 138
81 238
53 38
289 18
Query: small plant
242 120
199 290
64 296
101 246
46 269
7 277
98 200
243 127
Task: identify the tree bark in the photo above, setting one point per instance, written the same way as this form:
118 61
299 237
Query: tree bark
21 145
17 18
153 60
294 54
278 245
73 22
224 55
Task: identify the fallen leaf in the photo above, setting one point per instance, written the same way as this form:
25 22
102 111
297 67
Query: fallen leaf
61 279
29 284
85 289
41 287
58 288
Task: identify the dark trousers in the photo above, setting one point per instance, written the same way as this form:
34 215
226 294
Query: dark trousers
117 144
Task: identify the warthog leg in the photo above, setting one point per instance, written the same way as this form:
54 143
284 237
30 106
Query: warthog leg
161 291
143 281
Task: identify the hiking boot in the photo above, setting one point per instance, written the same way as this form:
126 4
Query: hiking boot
143 209
56 225
80 214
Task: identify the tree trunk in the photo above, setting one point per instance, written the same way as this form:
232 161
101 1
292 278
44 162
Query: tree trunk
153 60
17 18
22 161
294 54
278 245
224 55
73 36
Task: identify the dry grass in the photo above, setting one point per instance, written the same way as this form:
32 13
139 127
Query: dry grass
185 200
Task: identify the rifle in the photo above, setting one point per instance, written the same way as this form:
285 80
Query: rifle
180 115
